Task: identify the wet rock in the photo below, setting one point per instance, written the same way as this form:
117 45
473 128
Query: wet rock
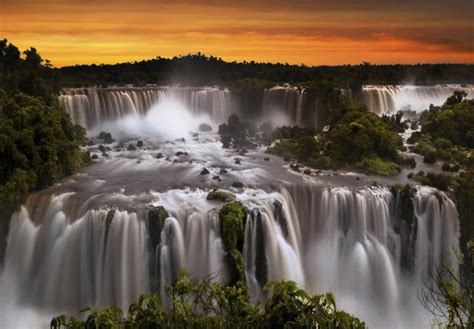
286 159
102 135
205 127
104 154
238 161
357 178
140 144
205 171
266 159
159 155
108 148
181 140
94 157
238 184
167 159
102 148
131 147
307 172
175 161
220 195
90 143
195 135
216 178
108 138
223 170
243 151
295 167
185 154
179 153
121 145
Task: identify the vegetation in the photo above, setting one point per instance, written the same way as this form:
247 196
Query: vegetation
38 142
205 304
356 138
199 69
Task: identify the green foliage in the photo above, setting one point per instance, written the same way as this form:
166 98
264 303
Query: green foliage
377 166
206 304
36 140
453 122
232 221
440 181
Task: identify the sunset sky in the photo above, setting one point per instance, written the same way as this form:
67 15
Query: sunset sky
310 32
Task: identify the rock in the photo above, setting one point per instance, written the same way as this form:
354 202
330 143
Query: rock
108 148
175 161
238 184
226 141
108 138
102 135
181 140
179 153
205 172
118 150
216 178
167 159
223 170
286 159
140 144
295 167
243 151
121 145
102 148
94 157
159 155
90 143
266 159
185 154
105 154
307 172
430 158
131 147
357 178
238 161
220 195
205 127
195 135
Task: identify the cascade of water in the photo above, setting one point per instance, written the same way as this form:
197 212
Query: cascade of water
325 238
283 101
389 99
91 106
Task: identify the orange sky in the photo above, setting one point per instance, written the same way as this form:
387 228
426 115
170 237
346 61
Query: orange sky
306 31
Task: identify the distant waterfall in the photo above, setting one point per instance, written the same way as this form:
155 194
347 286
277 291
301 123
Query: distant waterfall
92 106
287 101
390 99
325 238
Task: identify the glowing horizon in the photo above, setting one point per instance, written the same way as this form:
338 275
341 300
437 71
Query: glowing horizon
305 32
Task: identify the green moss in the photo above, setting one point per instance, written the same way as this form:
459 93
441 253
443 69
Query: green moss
232 218
216 195
376 166
232 221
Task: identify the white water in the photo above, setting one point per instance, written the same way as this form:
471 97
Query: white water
390 99
63 254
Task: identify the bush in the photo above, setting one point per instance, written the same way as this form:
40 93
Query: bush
377 166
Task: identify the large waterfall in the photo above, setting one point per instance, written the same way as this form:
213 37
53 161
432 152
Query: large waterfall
90 107
93 239
390 99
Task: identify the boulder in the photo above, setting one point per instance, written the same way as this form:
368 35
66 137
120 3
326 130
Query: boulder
140 144
307 172
159 155
220 195
102 135
205 171
94 157
238 161
108 138
223 170
102 148
131 147
266 159
238 184
205 127
90 143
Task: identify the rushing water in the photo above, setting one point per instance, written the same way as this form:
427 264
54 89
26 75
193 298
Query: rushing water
86 241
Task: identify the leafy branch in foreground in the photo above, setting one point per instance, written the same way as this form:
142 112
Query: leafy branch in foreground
206 304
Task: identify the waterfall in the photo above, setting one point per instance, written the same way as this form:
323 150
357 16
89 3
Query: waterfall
285 101
92 106
339 239
390 99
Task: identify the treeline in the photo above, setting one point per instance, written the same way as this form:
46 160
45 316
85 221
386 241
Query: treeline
199 69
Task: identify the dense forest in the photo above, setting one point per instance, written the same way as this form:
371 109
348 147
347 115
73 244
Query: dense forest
199 69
